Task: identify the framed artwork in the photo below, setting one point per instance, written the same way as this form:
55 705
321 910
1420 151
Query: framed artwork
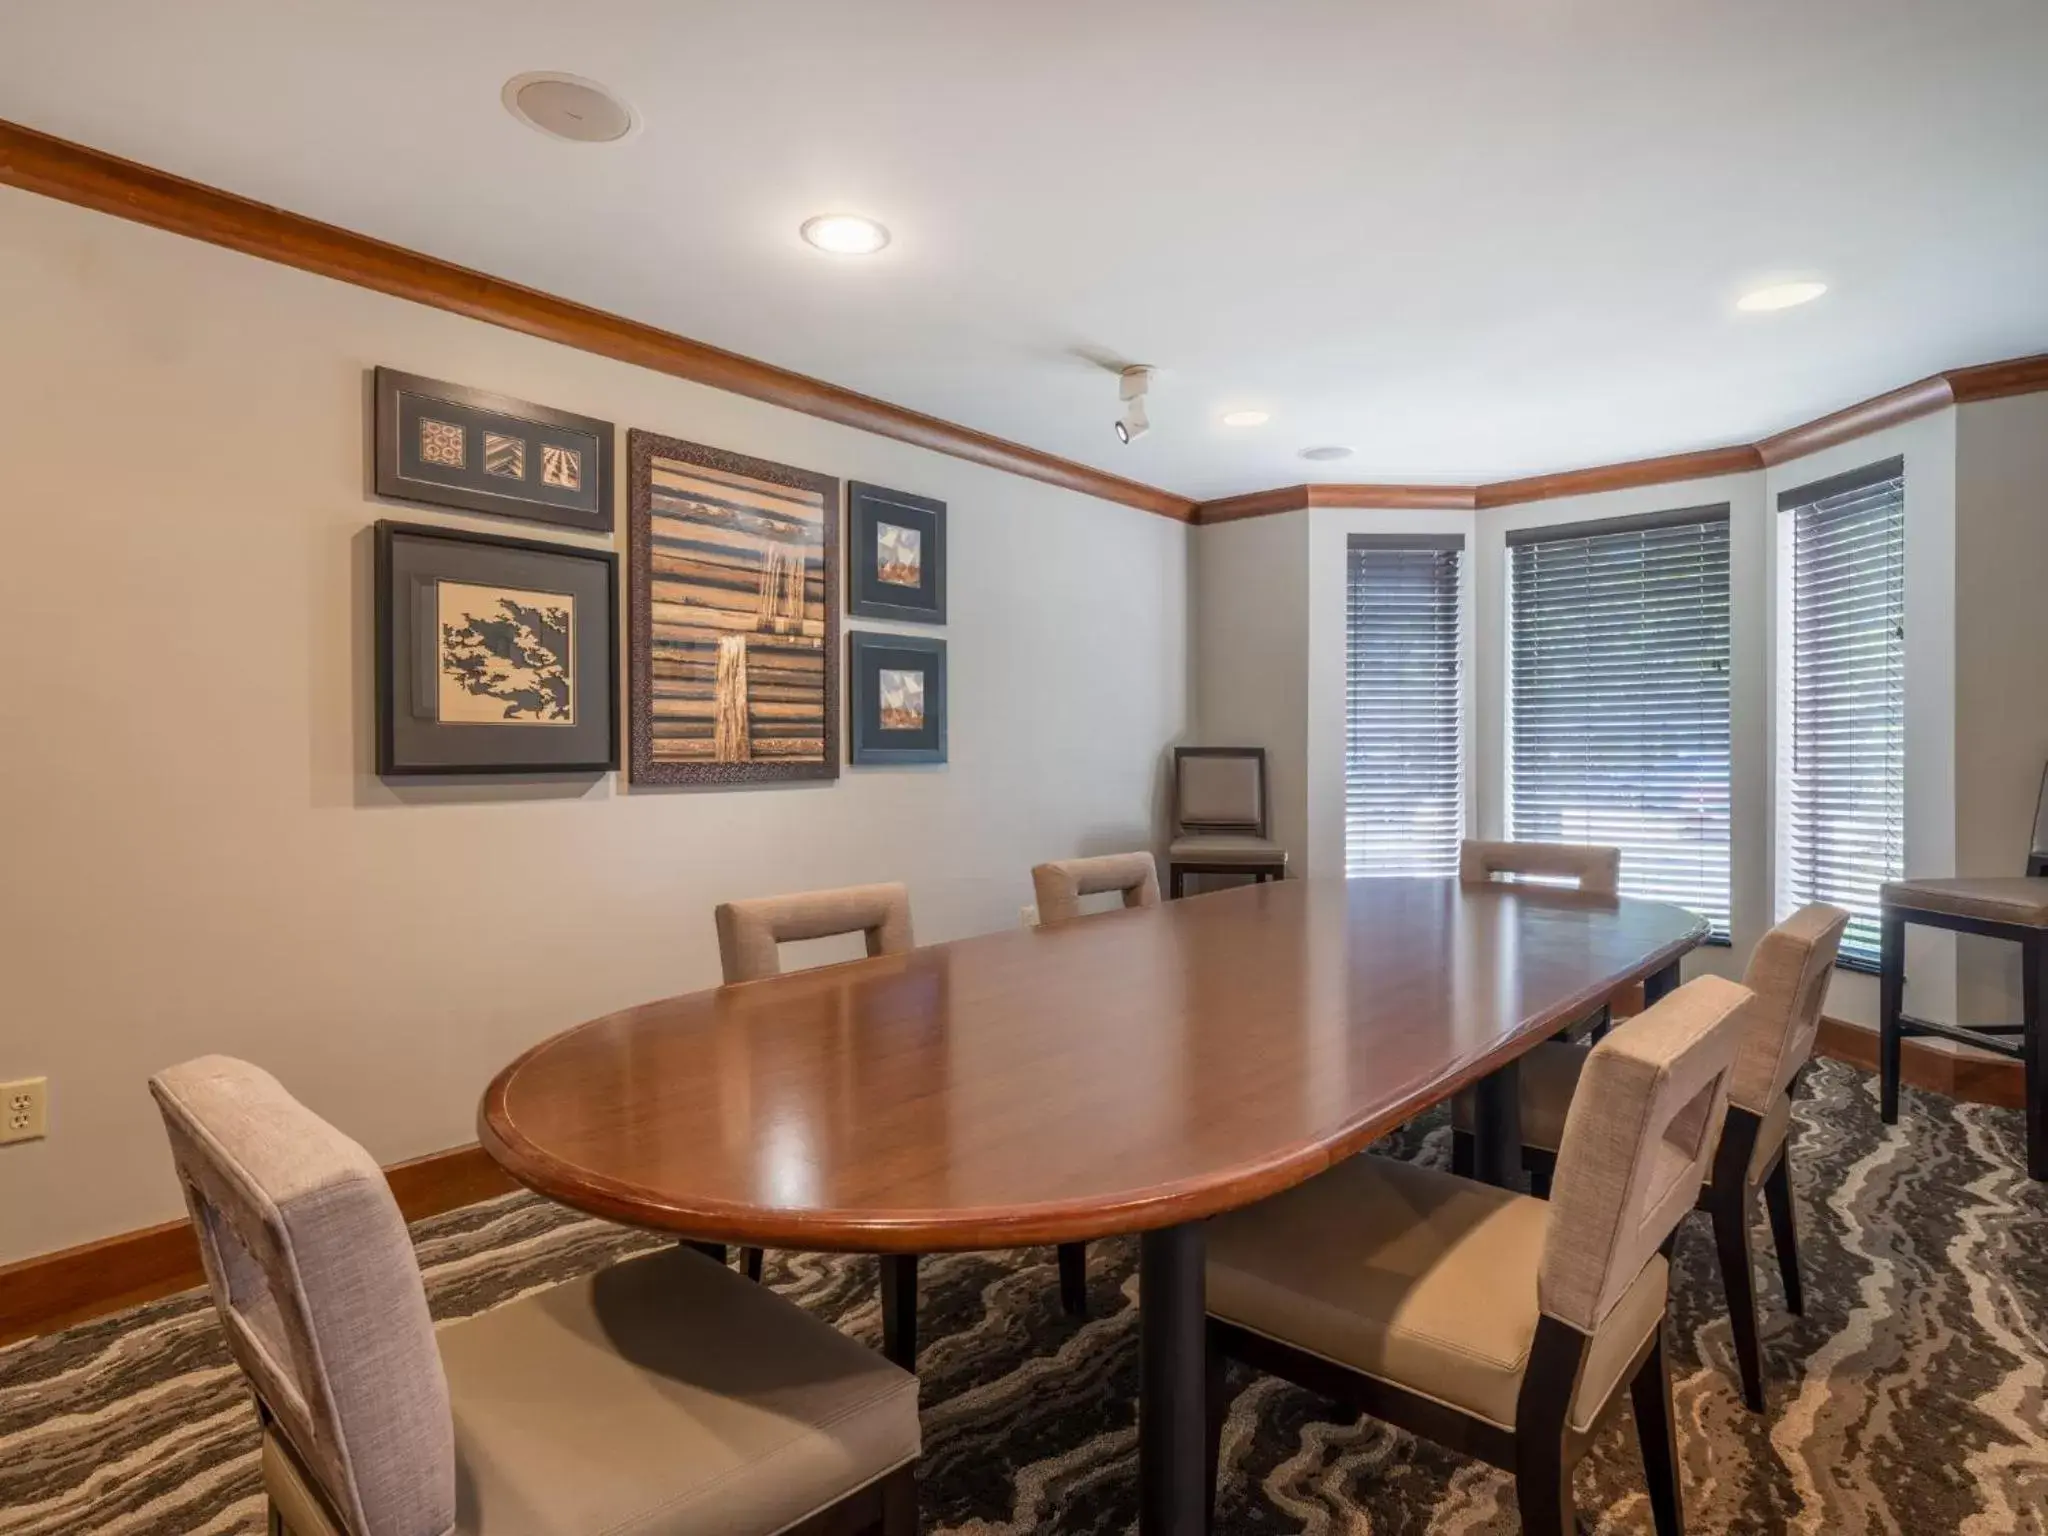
494 655
896 555
735 619
451 446
897 688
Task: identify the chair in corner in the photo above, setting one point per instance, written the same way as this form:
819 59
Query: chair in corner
1220 824
1059 887
750 936
1491 1322
1788 978
663 1395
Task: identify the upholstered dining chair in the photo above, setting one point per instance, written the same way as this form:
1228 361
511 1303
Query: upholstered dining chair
1220 817
750 939
1059 887
1495 1323
663 1396
1591 866
1788 978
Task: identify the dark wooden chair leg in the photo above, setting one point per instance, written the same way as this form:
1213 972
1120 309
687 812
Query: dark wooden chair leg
1464 1154
1543 1488
1657 1433
1785 1232
899 1309
1216 1405
1543 1470
1539 1178
1738 1279
1074 1279
1891 997
1175 882
715 1252
899 1502
750 1259
2034 1051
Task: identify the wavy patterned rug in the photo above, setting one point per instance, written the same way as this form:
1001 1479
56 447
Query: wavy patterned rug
1912 1399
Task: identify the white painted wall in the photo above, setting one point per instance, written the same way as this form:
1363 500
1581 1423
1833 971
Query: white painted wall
2001 667
1928 446
1251 657
196 855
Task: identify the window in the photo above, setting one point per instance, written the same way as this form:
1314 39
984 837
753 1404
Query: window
1618 714
1404 774
1842 720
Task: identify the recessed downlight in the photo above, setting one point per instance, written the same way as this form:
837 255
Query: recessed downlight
1326 452
1780 296
845 234
569 107
1246 418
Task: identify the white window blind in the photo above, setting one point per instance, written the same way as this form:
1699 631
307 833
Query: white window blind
1845 686
1619 727
1404 776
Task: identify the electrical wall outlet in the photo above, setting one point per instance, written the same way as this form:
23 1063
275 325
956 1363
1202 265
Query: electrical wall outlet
25 1110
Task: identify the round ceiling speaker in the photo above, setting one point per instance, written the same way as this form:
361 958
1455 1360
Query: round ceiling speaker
1331 451
569 107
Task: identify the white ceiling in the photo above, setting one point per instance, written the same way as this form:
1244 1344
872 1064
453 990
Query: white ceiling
1472 239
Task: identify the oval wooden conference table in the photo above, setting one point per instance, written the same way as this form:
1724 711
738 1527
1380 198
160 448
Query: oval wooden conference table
1128 1072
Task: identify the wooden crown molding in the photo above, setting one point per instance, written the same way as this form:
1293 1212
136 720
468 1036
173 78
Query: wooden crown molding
72 173
74 1285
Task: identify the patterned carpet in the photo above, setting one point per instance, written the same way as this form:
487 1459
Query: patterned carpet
1912 1399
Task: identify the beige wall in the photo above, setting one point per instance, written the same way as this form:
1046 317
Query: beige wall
197 857
2001 662
1251 655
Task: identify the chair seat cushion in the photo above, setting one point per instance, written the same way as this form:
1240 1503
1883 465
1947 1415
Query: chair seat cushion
1418 1278
663 1396
1550 1076
2020 901
1226 848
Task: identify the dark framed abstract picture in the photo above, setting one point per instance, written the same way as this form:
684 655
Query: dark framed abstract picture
494 655
896 555
735 616
896 687
451 446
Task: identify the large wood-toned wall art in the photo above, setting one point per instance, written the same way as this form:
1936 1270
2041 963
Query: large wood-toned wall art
448 445
735 617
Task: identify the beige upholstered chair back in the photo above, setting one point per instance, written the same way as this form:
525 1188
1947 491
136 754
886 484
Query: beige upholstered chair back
1220 791
1595 868
1637 1139
749 931
1788 974
1061 884
319 1292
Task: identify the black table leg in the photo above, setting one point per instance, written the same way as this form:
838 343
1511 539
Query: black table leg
899 1310
1891 999
1660 984
1172 1392
1497 1127
2034 1052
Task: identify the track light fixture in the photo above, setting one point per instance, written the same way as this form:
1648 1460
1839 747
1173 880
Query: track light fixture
1131 423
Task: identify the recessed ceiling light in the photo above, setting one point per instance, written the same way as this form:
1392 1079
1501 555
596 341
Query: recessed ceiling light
1780 296
568 107
1246 418
845 234
1326 452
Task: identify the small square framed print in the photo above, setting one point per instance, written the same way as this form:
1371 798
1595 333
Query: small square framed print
494 655
896 555
448 445
896 686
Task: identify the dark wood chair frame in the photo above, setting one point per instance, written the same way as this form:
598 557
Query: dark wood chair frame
885 1507
1540 1450
2030 1050
1177 870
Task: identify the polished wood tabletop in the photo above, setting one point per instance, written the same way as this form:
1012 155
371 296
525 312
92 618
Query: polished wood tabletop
1117 1073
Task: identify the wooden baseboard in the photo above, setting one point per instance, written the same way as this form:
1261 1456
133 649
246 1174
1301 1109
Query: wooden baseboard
56 1290
1973 1079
